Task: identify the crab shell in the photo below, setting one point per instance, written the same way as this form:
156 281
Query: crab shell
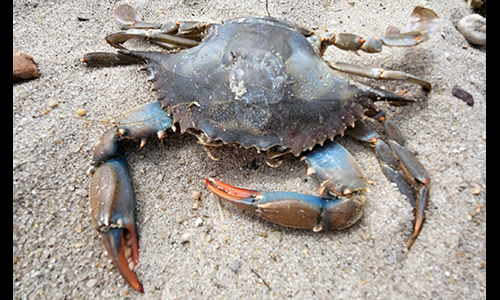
241 86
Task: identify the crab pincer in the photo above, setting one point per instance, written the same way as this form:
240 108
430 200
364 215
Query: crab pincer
112 207
111 195
337 172
291 209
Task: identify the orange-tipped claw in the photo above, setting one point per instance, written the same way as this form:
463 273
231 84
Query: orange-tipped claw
239 197
122 246
225 190
292 209
112 208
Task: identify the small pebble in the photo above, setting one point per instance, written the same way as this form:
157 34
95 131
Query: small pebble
81 112
234 266
82 193
274 237
24 67
196 195
52 104
473 28
179 220
91 283
185 238
477 189
199 221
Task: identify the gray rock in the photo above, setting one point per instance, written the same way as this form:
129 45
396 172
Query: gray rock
234 266
473 28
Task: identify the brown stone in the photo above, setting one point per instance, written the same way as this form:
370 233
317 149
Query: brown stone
24 67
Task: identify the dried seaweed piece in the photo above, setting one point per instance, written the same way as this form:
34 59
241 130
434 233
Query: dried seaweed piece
462 95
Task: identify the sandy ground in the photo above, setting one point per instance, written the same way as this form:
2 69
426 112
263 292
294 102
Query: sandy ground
57 253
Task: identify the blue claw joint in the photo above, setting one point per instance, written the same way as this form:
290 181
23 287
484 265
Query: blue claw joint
144 122
336 169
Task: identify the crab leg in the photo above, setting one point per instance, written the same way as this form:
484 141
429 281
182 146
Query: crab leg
338 173
116 39
421 25
128 18
111 195
108 59
172 35
419 179
399 165
112 207
377 73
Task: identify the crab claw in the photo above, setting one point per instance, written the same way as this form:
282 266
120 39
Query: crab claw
292 209
242 198
112 208
120 244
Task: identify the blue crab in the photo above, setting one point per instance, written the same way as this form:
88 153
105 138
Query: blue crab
257 82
